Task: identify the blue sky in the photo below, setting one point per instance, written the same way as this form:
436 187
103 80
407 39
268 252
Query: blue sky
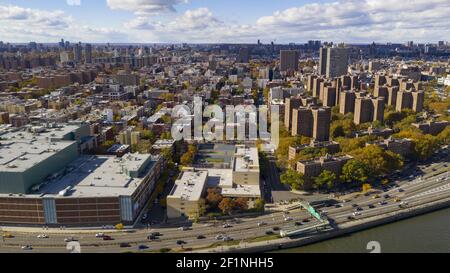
224 20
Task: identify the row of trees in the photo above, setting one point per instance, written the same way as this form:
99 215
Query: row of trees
187 159
368 163
215 201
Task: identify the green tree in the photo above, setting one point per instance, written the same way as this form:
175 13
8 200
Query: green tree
378 161
213 197
259 204
241 204
227 205
325 180
293 178
444 136
187 159
354 171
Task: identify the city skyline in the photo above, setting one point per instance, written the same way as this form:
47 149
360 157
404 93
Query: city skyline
201 21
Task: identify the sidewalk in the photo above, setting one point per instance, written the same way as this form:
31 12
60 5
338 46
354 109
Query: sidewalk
86 230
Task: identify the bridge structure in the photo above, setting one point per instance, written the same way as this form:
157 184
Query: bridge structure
323 221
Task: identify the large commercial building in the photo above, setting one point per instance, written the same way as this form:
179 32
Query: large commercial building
45 180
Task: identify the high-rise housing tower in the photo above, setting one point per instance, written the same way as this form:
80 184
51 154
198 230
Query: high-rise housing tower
88 53
337 61
289 60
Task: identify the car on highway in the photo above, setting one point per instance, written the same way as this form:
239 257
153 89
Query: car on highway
355 205
382 203
376 196
339 205
107 238
184 228
152 237
359 209
275 228
306 220
227 239
287 219
401 190
142 247
371 206
298 223
27 247
227 226
124 245
181 242
350 217
201 237
269 232
42 236
356 213
99 235
386 196
260 224
219 237
397 200
156 233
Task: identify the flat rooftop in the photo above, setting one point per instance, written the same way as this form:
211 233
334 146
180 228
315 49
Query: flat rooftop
40 133
190 186
246 159
99 176
20 154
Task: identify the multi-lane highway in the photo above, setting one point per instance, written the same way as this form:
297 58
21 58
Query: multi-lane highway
431 185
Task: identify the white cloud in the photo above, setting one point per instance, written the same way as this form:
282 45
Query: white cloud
144 7
344 20
18 24
73 2
366 20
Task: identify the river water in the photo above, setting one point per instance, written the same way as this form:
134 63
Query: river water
425 233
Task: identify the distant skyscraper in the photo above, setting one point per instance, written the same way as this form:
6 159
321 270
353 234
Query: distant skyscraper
337 62
88 53
244 55
63 57
323 61
289 60
77 52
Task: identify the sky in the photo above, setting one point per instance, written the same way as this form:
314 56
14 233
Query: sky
224 21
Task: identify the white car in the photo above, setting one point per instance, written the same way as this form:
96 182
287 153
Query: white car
42 236
227 226
356 213
286 219
27 247
260 224
184 228
219 237
99 235
227 238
